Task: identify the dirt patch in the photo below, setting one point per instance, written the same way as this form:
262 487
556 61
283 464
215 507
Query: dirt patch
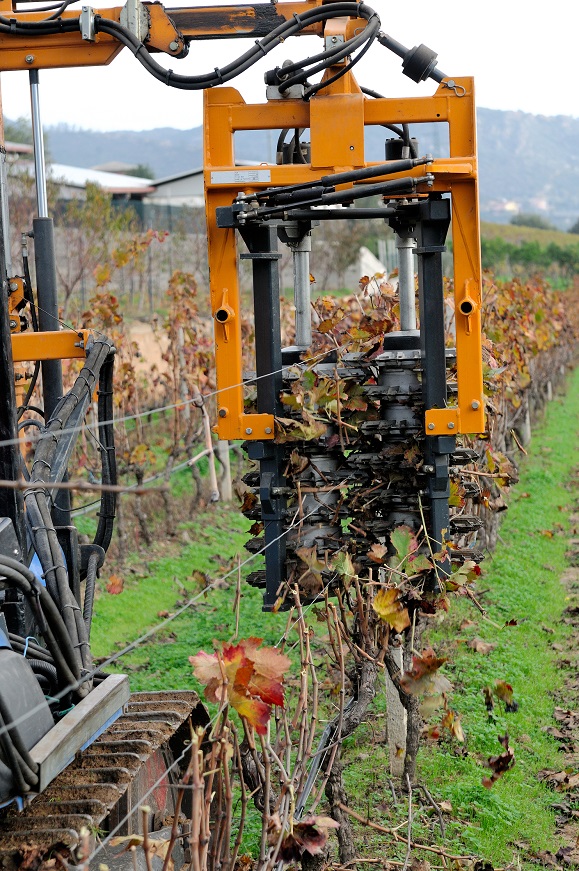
152 345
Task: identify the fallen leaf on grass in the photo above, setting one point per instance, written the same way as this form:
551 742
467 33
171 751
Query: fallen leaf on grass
481 646
546 858
466 623
565 855
560 780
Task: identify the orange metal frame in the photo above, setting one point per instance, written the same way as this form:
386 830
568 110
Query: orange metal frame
336 118
165 35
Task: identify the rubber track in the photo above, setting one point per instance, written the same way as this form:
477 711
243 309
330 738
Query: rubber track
86 792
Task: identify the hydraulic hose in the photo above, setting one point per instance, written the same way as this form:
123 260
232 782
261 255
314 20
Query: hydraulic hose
37 652
52 625
108 458
12 761
47 670
245 61
89 590
49 466
17 741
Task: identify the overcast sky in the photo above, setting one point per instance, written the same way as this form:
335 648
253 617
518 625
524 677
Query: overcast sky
522 54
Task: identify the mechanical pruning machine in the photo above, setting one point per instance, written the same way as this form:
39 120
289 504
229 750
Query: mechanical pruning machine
75 749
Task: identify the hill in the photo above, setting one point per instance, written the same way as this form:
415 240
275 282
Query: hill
527 162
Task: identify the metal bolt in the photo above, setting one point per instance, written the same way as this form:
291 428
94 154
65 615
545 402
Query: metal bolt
351 148
13 325
334 39
13 285
29 58
428 469
268 430
248 430
222 412
475 404
173 45
430 426
450 425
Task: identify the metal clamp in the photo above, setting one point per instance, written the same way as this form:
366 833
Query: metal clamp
86 20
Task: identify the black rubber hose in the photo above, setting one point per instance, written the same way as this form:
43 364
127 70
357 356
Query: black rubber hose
345 69
245 61
89 590
34 650
12 761
46 669
50 461
16 738
59 643
108 507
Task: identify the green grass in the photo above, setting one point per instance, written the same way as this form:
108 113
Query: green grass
517 235
214 539
523 583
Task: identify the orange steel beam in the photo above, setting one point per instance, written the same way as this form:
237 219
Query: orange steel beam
336 118
57 345
169 30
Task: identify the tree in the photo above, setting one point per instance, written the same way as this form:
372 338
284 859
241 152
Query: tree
18 131
527 219
92 228
141 170
574 228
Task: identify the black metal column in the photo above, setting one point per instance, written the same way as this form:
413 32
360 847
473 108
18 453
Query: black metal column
432 227
261 241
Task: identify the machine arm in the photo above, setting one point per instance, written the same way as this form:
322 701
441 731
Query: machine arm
94 37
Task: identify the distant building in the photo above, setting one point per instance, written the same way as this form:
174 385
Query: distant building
72 180
183 189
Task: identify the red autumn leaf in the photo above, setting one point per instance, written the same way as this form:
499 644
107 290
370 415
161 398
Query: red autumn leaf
115 585
247 675
256 712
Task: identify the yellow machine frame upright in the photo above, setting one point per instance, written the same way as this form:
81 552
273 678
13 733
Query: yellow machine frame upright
336 118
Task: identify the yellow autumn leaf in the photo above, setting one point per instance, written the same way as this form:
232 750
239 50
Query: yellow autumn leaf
389 608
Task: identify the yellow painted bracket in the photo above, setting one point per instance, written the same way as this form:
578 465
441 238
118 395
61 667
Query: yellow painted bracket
49 345
336 118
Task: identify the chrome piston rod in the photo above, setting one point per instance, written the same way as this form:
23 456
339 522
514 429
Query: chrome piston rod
406 289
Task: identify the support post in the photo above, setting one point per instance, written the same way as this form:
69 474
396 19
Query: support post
261 241
396 719
432 227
